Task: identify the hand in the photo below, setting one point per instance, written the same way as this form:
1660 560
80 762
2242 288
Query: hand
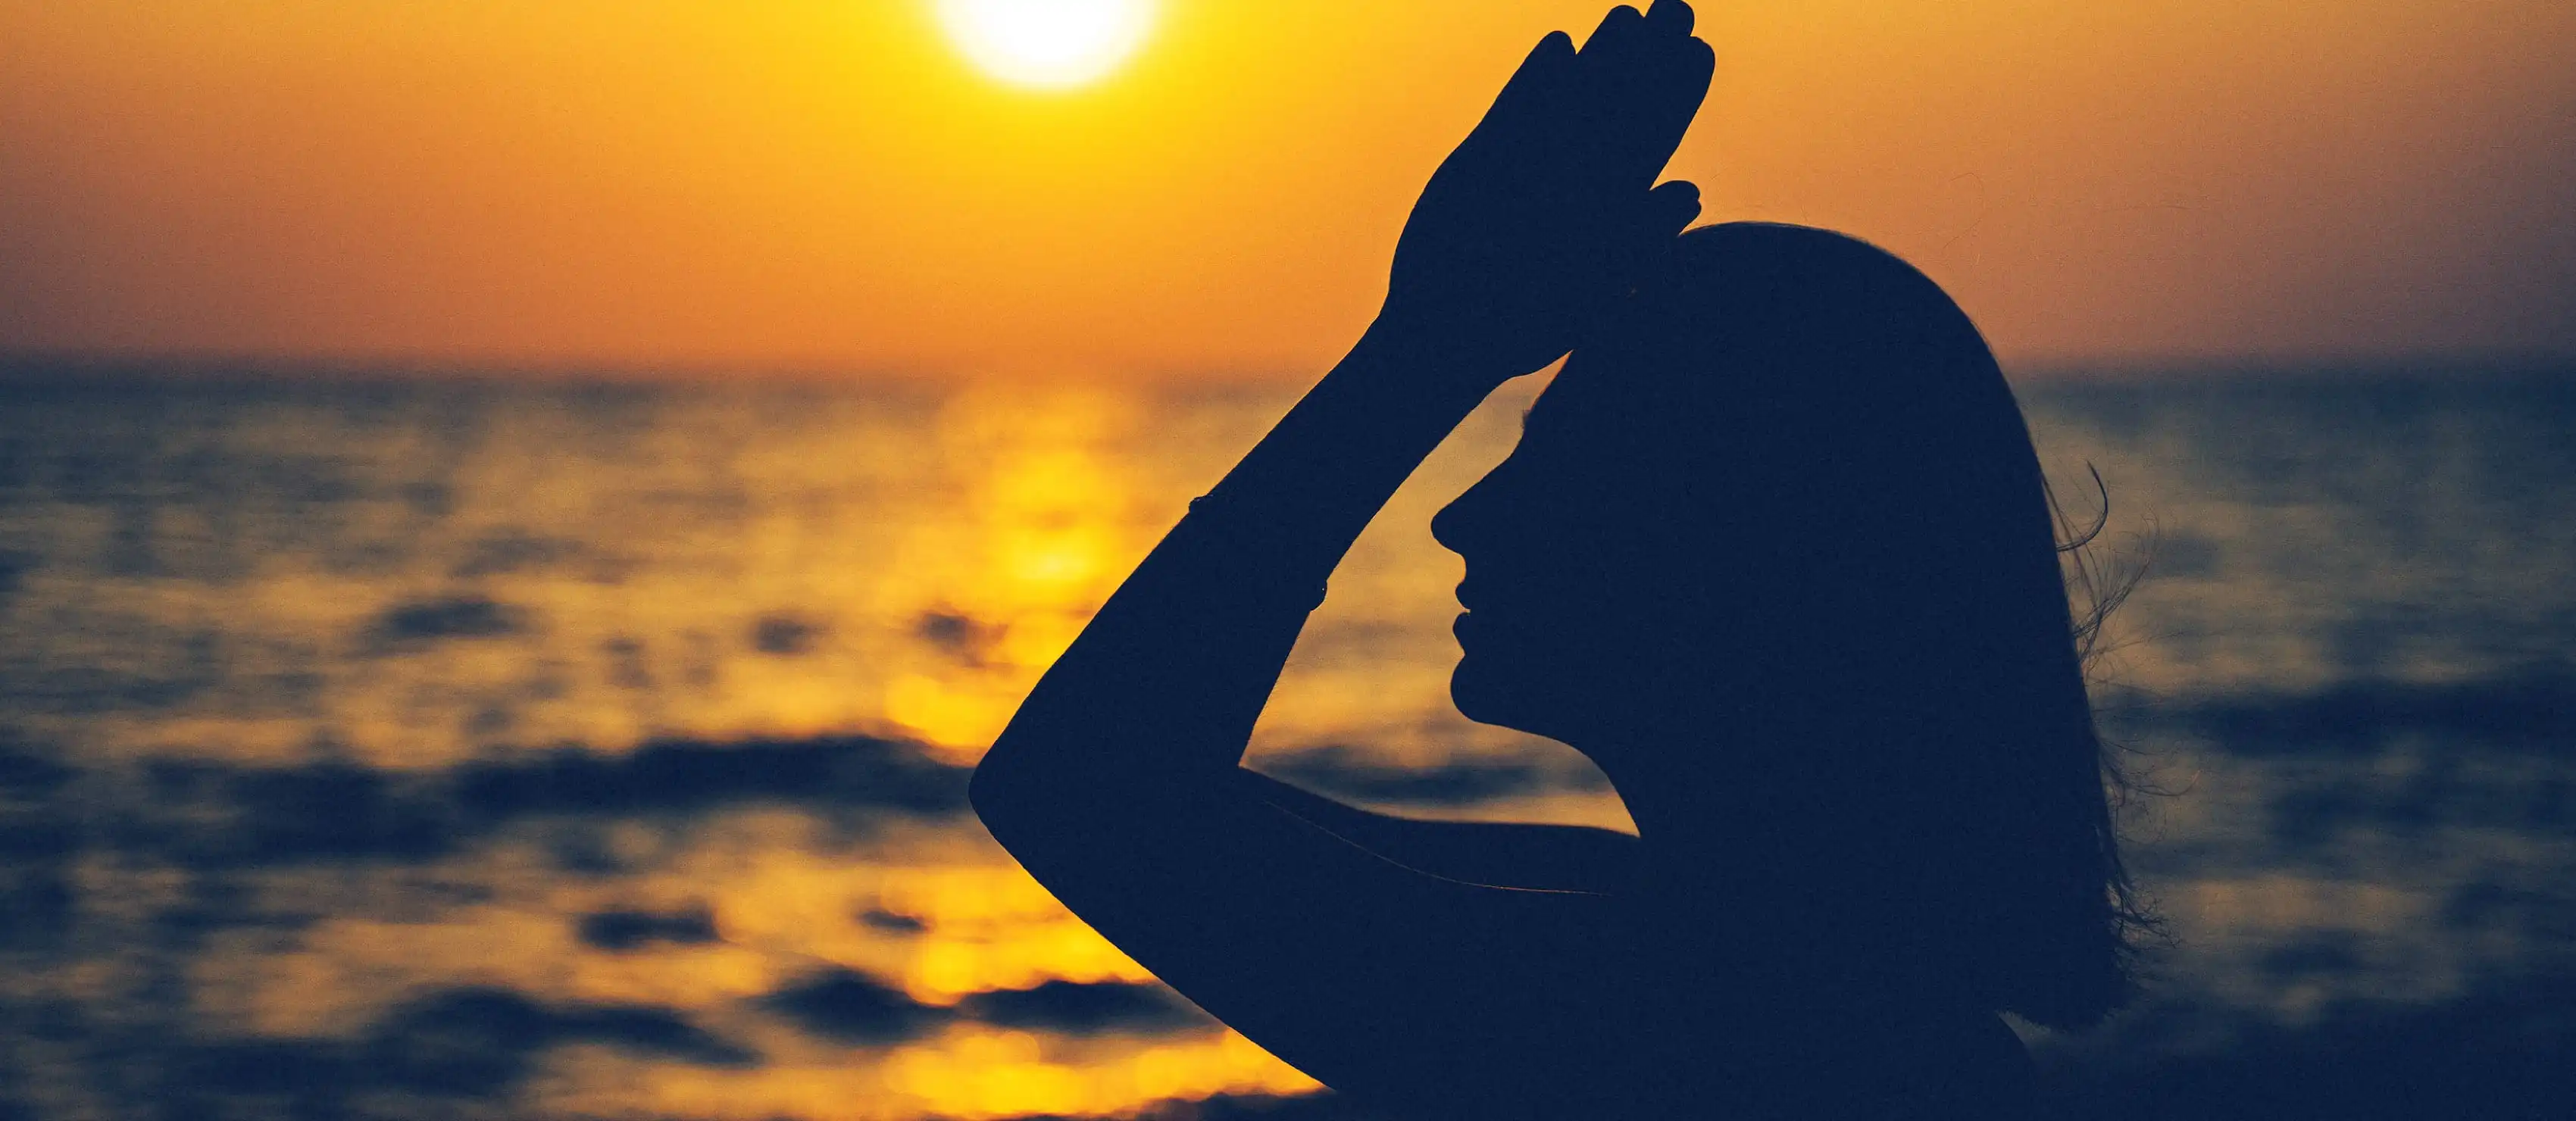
1546 213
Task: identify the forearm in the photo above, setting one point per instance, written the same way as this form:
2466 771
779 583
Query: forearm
1170 675
1309 487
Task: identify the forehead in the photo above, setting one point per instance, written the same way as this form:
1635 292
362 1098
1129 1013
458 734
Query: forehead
1580 436
1591 400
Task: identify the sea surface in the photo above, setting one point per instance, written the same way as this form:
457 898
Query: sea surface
408 749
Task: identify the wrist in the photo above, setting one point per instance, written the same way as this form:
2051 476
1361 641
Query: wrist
1446 367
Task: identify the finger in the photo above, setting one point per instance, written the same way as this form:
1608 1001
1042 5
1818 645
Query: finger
1545 62
1604 88
1671 208
1636 113
1617 31
1540 80
1674 103
1647 234
1639 81
1671 17
1664 99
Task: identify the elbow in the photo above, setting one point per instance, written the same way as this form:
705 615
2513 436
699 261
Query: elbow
1008 794
1029 812
1030 800
1003 808
995 793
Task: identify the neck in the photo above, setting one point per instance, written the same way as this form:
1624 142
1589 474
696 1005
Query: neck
1690 828
1719 828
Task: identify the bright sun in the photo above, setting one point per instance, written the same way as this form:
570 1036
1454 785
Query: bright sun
1048 44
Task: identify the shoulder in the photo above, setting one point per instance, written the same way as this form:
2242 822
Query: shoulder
1914 1065
1973 1067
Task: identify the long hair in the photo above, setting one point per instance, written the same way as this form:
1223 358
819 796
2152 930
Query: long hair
1911 643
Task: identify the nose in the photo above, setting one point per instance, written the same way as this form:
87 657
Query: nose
1467 521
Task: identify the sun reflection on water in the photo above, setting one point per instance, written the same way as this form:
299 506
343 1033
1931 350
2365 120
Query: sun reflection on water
252 683
1042 531
936 916
967 1074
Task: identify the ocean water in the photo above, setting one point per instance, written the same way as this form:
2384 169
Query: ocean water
461 750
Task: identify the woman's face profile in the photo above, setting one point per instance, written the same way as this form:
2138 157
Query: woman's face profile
1575 588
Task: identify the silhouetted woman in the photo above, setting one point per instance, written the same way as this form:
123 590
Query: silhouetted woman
1773 551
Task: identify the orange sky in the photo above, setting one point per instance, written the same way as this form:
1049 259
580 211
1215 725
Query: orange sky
828 186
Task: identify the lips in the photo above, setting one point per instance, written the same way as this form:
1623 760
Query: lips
1481 626
1479 617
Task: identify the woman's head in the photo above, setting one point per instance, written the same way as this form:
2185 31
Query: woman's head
1776 551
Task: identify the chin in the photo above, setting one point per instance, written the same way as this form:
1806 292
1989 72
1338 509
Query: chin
1488 697
1471 692
1543 698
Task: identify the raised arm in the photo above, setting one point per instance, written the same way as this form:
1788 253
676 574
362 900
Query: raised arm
1527 230
1117 783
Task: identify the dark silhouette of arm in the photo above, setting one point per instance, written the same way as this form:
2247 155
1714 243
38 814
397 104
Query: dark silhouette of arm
1345 940
1118 783
1568 858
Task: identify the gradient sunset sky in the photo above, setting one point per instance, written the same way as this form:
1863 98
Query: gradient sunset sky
832 186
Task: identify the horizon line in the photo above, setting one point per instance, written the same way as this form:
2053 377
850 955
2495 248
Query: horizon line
21 367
